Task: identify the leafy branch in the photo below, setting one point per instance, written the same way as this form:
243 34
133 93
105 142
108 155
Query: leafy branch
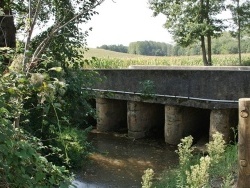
57 27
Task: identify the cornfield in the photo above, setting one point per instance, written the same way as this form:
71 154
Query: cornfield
119 60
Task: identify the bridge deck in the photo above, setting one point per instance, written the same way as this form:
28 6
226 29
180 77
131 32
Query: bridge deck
200 87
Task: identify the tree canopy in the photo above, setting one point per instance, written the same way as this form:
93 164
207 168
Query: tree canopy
115 48
189 21
224 44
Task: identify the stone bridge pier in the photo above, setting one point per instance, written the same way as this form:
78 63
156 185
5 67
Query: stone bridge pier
173 122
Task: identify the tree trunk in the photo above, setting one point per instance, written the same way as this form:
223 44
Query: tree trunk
7 33
203 49
202 39
8 29
239 31
209 50
209 40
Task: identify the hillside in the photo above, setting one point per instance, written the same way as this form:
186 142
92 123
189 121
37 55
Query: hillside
101 53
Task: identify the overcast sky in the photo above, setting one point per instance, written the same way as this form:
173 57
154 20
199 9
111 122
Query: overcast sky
125 21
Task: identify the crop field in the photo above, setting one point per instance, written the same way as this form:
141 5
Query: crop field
109 59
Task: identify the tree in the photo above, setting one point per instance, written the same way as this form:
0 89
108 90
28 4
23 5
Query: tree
115 48
8 30
241 19
150 48
192 20
36 87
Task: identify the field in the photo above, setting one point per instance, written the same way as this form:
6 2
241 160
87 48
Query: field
109 59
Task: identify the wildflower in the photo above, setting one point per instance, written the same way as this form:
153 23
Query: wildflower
147 178
216 147
185 150
198 175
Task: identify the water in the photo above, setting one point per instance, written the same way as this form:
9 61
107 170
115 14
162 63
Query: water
120 161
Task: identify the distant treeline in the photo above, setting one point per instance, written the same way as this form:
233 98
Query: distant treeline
115 48
225 44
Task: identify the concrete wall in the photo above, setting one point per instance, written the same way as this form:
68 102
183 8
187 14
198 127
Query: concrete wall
216 83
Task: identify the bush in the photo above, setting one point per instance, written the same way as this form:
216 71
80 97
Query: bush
22 164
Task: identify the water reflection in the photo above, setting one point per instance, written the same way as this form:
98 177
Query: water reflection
120 161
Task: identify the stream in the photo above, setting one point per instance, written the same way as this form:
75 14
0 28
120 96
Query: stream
120 161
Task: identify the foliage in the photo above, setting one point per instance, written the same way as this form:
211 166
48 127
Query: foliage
150 48
190 21
115 48
55 116
185 157
74 142
147 178
241 14
35 103
80 110
216 148
195 171
147 89
224 44
185 150
198 175
22 164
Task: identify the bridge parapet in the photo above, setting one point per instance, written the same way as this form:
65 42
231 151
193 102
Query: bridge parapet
200 87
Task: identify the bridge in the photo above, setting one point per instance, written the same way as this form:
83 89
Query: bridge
170 101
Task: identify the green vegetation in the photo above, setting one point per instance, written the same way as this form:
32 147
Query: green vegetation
191 22
147 88
224 44
147 178
151 48
216 169
109 59
115 48
43 111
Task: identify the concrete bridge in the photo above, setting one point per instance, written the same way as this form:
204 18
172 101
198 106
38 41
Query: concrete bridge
170 101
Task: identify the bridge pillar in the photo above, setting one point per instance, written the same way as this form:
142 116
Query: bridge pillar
143 117
183 121
222 120
173 124
111 114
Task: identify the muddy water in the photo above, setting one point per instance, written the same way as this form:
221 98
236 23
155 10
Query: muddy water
120 161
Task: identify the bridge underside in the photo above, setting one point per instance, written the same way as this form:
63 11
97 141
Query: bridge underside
143 119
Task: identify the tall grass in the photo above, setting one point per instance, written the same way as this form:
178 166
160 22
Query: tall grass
121 60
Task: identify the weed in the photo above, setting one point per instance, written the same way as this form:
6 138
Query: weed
147 178
195 171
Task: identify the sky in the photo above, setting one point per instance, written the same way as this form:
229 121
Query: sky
125 21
